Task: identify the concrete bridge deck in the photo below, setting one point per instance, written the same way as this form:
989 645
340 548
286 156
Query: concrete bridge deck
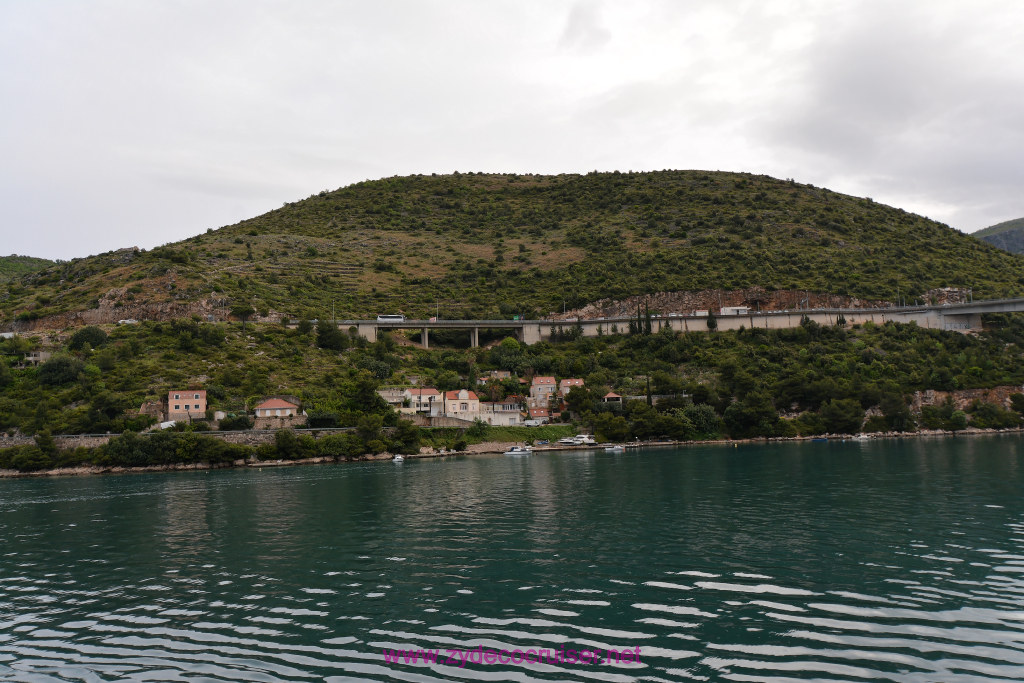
962 317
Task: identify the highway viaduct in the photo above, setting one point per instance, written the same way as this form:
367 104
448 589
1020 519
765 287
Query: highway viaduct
962 317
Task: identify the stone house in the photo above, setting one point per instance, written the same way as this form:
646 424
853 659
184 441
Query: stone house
541 391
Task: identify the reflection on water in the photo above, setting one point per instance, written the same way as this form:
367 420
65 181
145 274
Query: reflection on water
854 561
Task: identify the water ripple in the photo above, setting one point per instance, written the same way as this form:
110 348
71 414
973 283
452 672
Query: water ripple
874 562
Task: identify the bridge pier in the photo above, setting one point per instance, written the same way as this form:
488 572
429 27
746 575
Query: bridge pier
474 337
367 331
426 338
530 334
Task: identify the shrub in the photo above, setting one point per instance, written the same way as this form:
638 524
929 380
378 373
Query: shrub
842 416
322 419
91 335
60 370
236 423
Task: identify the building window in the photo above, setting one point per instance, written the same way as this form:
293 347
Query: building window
197 406
196 396
177 407
464 406
177 397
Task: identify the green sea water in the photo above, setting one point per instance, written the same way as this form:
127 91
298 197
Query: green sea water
856 561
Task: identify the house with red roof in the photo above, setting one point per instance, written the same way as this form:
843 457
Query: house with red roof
539 414
185 405
566 385
462 404
277 407
422 401
541 390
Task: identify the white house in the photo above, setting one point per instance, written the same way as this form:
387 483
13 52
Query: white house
502 413
422 400
277 407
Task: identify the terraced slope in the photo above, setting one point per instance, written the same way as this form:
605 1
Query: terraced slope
477 245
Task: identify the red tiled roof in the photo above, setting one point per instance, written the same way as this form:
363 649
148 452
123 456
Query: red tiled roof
611 395
454 396
191 392
425 391
540 412
543 380
275 403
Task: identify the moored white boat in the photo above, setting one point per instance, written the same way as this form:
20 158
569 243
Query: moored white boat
518 450
614 448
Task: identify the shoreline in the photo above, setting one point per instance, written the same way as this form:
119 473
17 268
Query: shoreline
483 448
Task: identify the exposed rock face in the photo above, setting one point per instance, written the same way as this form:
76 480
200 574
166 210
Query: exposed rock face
962 398
757 298
107 313
947 295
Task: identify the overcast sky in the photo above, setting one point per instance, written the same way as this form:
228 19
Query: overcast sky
136 123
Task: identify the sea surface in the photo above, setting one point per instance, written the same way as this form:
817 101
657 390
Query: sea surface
853 561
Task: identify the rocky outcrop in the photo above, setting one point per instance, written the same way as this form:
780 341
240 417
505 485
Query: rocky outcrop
962 398
757 298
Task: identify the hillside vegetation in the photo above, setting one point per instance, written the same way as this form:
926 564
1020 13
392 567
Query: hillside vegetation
477 245
806 380
14 266
1008 235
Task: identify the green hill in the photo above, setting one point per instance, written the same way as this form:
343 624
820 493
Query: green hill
477 245
1008 235
14 266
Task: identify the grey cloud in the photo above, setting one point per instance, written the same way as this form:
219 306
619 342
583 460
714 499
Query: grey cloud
584 27
139 123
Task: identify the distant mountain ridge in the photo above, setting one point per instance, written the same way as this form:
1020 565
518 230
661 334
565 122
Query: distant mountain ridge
476 245
1008 235
14 266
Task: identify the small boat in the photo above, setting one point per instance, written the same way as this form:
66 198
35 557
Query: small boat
518 450
399 458
614 448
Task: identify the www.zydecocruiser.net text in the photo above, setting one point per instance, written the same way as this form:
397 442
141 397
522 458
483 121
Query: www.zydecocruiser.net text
481 655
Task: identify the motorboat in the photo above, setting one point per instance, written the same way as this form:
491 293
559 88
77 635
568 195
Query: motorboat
614 448
568 441
399 458
518 450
